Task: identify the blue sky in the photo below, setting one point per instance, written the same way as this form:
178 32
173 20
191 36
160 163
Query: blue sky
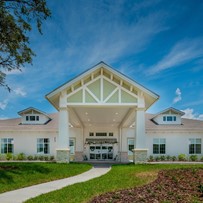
157 43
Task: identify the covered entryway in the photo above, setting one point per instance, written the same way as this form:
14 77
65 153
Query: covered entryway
103 103
101 149
101 152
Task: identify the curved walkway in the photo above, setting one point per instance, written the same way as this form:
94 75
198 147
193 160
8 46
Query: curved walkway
21 195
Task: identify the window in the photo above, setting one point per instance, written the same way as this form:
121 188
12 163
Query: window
91 134
101 134
6 145
195 146
159 146
72 146
111 134
43 145
32 118
169 118
130 146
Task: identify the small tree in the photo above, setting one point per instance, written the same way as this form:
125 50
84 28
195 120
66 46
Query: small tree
16 17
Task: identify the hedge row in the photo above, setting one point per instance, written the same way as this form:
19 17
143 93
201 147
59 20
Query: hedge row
23 157
180 157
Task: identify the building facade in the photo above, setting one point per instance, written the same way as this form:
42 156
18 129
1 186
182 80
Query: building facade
101 116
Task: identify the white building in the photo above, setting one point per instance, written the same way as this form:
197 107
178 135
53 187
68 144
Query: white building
101 116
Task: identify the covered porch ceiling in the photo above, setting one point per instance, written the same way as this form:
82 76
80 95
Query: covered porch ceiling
106 116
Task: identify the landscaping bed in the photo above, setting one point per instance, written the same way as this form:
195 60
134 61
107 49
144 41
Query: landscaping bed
171 186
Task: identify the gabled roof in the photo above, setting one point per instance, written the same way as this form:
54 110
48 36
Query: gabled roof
170 109
187 126
29 109
53 95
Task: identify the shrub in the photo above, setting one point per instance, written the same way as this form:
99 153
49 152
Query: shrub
157 158
151 158
182 157
9 156
21 156
36 157
174 158
2 157
46 158
168 158
41 158
14 157
162 158
194 157
51 158
30 157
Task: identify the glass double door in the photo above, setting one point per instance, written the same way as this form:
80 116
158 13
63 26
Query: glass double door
101 152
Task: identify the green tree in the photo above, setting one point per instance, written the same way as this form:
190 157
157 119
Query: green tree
16 20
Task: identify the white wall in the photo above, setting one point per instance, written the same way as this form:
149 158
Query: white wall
26 142
176 143
126 134
77 134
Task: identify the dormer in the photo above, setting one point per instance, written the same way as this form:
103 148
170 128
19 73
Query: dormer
32 116
169 116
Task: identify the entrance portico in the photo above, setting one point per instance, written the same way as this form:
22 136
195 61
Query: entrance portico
101 102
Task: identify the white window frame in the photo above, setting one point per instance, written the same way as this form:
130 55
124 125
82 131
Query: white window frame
8 141
72 147
34 118
41 141
195 142
159 142
128 143
166 118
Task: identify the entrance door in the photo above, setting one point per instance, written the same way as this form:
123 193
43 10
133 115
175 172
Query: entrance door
101 152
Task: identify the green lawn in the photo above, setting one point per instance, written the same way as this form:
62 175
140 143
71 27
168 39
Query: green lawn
120 177
18 175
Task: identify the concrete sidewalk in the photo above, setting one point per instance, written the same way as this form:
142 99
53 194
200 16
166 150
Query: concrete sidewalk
21 195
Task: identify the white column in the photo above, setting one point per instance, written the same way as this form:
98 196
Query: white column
140 151
63 151
140 137
63 138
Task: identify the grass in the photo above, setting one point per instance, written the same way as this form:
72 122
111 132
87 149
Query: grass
120 177
19 175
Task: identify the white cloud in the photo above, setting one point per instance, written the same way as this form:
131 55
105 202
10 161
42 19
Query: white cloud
190 114
3 104
19 91
178 96
181 53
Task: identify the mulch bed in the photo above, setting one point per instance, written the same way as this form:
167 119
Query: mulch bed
171 186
